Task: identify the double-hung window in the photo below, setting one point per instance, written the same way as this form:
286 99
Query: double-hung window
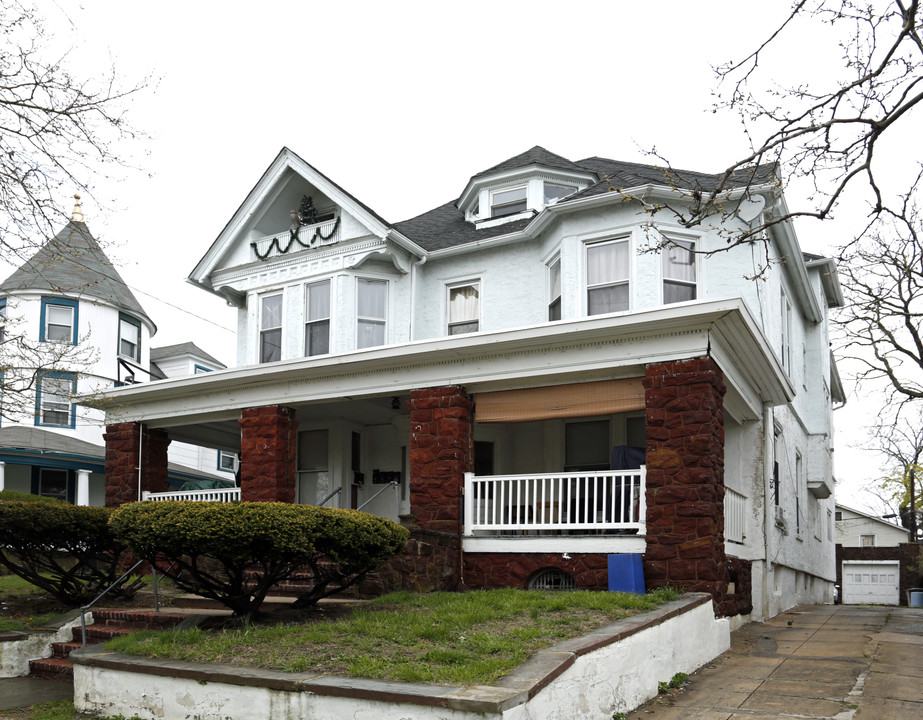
678 260
227 461
53 400
58 320
464 308
554 290
372 306
129 337
271 328
508 202
607 272
317 318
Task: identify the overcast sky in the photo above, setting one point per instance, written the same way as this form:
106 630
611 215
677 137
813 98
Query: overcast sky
400 103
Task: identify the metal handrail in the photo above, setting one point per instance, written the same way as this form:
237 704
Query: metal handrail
85 608
335 492
393 484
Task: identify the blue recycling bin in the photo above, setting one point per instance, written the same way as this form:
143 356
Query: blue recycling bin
626 574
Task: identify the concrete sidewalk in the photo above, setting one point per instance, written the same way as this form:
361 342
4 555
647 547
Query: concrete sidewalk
839 662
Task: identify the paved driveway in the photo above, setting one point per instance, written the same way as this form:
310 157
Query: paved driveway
841 662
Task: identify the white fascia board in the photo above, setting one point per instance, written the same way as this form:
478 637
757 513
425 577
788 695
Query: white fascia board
285 160
837 391
406 243
599 347
830 280
793 262
513 174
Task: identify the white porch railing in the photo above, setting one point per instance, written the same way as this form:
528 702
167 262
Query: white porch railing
575 501
735 518
324 233
212 495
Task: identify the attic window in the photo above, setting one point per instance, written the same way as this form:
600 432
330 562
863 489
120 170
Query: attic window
508 202
555 192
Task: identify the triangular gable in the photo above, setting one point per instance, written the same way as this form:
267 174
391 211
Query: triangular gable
265 211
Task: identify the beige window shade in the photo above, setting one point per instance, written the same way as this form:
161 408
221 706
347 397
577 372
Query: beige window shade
560 401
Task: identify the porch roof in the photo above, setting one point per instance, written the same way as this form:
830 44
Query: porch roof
200 408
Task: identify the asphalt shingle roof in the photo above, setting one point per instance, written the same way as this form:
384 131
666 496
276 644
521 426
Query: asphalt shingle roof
446 227
73 264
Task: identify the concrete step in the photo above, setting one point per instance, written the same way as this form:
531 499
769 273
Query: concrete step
52 669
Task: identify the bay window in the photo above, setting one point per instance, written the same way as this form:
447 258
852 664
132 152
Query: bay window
464 308
271 328
317 319
678 261
372 299
607 272
554 290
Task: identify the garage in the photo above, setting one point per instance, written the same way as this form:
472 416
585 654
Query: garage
871 582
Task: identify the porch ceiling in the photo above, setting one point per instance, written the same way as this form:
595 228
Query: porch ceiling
595 348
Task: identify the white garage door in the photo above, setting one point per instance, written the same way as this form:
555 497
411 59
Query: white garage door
871 582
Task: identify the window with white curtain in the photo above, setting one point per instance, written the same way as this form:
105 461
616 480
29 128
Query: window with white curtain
678 261
317 318
554 290
607 273
372 300
464 308
271 328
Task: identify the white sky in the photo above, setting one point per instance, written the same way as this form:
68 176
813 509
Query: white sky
400 103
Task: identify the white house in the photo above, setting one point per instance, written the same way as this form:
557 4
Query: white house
83 331
515 378
856 529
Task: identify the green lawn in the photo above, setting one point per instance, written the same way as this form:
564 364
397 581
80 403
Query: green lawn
441 638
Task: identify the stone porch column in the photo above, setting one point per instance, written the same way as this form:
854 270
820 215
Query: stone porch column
268 440
130 446
441 452
685 477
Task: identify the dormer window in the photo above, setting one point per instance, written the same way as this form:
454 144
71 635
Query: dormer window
508 202
555 192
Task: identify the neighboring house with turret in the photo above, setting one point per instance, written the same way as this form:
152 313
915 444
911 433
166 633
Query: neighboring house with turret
72 327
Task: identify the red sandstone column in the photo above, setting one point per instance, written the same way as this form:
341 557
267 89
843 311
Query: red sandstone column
685 477
441 452
267 454
124 445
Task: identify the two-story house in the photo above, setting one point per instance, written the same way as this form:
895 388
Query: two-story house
71 326
520 379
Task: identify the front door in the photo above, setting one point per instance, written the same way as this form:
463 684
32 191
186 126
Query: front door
315 482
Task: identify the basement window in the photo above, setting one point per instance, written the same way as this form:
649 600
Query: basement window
552 579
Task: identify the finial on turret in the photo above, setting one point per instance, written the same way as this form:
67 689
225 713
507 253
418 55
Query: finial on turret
77 215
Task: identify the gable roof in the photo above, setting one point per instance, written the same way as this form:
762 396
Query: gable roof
187 348
73 264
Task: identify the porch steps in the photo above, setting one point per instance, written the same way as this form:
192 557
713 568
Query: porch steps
107 624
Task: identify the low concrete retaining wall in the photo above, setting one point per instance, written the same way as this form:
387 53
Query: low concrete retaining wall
613 669
18 648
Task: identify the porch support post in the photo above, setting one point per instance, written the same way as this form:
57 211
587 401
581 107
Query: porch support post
685 478
441 452
136 460
268 438
83 487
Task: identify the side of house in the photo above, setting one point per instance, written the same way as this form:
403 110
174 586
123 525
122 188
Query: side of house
535 376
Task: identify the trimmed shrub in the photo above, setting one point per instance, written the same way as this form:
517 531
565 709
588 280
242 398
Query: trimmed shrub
235 552
66 550
6 495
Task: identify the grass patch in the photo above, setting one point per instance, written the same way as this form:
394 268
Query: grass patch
15 585
441 638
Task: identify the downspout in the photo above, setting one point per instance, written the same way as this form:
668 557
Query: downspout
768 505
140 455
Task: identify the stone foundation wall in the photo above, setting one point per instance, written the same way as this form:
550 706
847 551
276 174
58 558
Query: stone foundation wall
685 477
268 441
429 563
500 570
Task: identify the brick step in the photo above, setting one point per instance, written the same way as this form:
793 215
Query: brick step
101 633
52 669
197 602
139 619
63 649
